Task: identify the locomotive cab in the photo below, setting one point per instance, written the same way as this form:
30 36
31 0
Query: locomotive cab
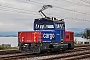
56 27
48 24
53 33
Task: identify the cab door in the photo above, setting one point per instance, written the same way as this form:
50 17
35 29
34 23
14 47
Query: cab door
62 31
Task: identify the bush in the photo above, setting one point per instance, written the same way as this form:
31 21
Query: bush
2 47
75 41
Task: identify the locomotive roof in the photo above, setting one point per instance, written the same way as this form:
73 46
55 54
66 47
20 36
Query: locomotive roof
69 31
50 20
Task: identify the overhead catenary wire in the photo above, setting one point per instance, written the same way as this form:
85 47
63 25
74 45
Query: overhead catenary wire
68 10
71 10
61 8
31 12
7 8
88 2
28 2
78 19
18 10
74 3
4 9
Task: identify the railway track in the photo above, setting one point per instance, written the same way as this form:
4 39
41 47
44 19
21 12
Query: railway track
69 56
77 53
4 52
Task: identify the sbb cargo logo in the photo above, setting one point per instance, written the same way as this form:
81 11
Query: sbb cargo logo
51 36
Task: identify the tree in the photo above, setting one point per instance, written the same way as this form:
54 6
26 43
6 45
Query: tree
86 33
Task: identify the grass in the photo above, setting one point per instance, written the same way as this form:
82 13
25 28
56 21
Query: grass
1 47
10 48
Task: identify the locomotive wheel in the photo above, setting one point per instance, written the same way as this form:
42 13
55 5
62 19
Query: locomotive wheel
69 46
20 46
51 47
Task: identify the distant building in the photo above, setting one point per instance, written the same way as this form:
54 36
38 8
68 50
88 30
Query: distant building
80 40
6 45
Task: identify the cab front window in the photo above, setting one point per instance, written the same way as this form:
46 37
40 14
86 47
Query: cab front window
60 26
44 26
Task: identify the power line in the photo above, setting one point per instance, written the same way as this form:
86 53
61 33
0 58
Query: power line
18 11
71 10
74 2
27 2
85 1
36 14
64 9
17 8
77 19
81 3
61 8
21 11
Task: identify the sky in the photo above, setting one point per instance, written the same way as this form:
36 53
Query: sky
19 15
